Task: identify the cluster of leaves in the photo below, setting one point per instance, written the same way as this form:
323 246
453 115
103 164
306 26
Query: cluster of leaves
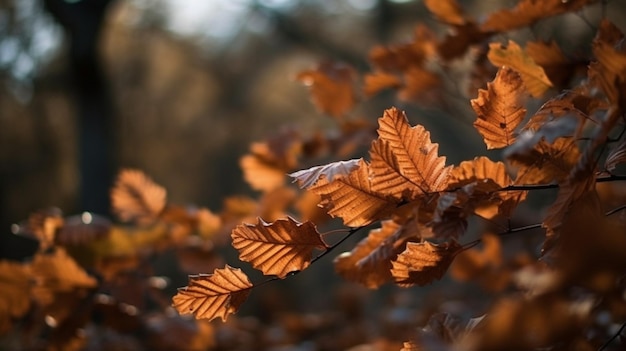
570 295
415 209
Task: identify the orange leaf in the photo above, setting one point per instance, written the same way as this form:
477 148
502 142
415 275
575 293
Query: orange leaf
209 296
500 109
15 285
546 162
277 248
352 198
447 11
135 197
609 72
423 263
419 85
378 81
404 160
331 86
399 58
534 77
527 12
369 262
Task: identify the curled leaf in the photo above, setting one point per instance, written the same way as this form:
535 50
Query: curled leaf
308 177
277 248
209 296
423 263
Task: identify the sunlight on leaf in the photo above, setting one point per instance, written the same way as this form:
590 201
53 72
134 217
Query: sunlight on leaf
306 178
500 109
447 11
209 296
135 197
534 77
277 248
423 263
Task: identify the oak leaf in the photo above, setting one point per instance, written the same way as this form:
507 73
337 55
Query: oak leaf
527 12
500 109
404 160
352 197
277 248
209 296
534 77
135 197
331 86
447 11
423 263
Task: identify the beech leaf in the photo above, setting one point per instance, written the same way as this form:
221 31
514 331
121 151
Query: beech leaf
500 109
404 160
331 86
423 263
209 296
447 11
277 248
352 198
308 177
135 197
545 162
534 77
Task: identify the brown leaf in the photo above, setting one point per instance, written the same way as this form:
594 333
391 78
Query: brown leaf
378 81
369 262
331 86
265 166
260 174
352 198
534 77
15 287
423 263
420 85
527 12
404 160
500 109
546 162
459 39
616 156
57 272
447 11
44 226
209 296
306 178
135 197
399 58
277 248
83 229
549 55
609 73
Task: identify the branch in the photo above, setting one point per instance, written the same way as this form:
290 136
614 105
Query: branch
608 342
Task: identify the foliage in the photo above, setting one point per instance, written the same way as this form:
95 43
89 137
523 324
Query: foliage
417 210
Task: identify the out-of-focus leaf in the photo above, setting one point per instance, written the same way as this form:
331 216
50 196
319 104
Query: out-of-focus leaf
209 296
447 11
377 81
277 248
352 198
15 288
545 162
331 86
500 109
527 12
405 163
401 57
534 77
135 197
83 229
423 263
616 156
609 72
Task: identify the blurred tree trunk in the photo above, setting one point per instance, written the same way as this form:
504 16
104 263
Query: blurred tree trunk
82 21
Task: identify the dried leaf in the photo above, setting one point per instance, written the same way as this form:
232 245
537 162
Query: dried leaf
420 85
15 286
423 263
352 198
609 72
447 11
277 248
549 55
401 57
44 225
616 156
331 86
135 197
500 109
526 12
546 162
265 166
209 296
261 175
306 178
404 160
534 77
83 229
379 81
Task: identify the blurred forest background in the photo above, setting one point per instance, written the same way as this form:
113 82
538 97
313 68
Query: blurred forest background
179 89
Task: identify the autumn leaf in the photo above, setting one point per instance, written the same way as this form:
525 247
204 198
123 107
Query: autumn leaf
534 77
423 263
545 162
369 262
83 229
44 226
500 109
447 11
549 55
420 84
277 248
306 178
209 296
15 287
331 86
404 160
352 198
375 82
135 197
609 71
616 156
265 166
526 12
399 58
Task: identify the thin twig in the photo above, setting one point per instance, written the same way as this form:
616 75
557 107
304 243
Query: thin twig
608 342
